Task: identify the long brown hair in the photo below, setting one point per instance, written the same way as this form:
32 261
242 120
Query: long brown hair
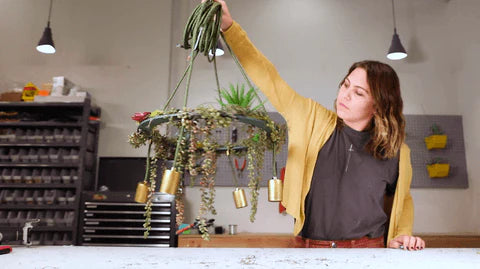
388 124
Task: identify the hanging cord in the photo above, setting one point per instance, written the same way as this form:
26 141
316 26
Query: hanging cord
216 79
176 88
394 22
274 161
202 30
235 179
206 16
244 74
182 129
49 13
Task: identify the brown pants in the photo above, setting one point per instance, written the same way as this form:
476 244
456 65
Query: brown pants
364 242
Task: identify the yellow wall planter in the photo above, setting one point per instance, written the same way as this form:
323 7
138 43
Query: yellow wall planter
436 141
438 170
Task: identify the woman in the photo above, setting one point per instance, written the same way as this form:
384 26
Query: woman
341 164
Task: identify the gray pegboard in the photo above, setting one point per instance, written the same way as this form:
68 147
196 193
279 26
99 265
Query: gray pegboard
417 128
224 176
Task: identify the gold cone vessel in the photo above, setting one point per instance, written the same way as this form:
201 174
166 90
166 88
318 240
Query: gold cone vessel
141 194
239 198
170 181
275 190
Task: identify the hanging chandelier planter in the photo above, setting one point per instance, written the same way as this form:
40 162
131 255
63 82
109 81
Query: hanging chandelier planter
191 144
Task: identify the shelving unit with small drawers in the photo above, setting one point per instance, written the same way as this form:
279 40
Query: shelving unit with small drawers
47 157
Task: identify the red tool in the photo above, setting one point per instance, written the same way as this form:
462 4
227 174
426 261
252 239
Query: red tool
5 249
195 225
240 169
186 228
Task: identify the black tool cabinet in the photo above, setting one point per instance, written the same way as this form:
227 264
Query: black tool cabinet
47 158
115 219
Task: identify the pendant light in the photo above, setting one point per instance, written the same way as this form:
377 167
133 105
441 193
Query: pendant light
396 51
219 51
45 45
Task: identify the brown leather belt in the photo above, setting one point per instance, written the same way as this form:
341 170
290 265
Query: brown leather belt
364 242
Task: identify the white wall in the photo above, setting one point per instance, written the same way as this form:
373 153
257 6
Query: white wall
467 44
122 50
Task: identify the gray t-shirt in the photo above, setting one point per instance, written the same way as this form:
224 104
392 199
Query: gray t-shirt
345 200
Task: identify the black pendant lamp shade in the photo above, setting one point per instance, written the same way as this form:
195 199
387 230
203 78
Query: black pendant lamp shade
396 50
219 51
45 45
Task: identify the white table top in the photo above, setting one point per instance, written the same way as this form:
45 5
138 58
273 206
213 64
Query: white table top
148 257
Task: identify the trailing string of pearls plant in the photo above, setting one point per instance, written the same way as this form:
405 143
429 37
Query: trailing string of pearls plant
193 148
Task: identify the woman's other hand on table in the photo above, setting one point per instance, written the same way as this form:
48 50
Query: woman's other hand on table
407 242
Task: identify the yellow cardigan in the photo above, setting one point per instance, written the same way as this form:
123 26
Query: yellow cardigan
309 126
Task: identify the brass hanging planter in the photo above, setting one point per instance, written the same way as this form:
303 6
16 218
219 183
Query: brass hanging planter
141 194
275 190
170 181
239 198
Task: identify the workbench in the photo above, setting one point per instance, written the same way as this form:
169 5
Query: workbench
149 257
